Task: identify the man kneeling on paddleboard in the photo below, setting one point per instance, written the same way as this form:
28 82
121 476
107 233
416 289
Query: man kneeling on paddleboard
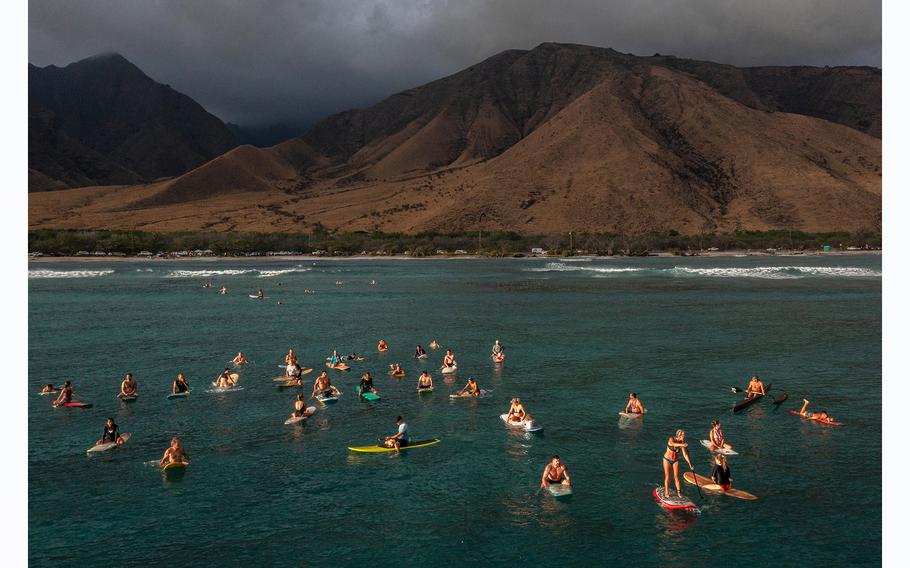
470 389
401 438
555 472
110 434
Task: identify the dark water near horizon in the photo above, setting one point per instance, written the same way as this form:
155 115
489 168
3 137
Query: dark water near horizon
580 335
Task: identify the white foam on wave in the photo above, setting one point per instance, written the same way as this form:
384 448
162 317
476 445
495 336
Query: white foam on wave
560 267
780 272
206 273
42 273
270 273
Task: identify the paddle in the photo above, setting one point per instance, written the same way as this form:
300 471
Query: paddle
695 478
739 390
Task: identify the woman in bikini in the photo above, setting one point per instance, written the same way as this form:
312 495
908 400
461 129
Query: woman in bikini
675 445
716 435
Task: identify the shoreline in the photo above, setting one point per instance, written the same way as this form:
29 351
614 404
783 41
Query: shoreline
305 257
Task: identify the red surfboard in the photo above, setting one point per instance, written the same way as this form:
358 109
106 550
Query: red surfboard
677 503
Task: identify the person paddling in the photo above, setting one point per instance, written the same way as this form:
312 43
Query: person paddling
181 385
128 387
239 359
634 406
366 385
717 438
470 389
820 416
675 445
66 394
555 472
174 453
110 434
756 387
399 439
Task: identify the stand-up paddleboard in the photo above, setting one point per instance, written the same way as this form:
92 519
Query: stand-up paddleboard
816 421
307 412
368 395
482 394
724 451
708 486
379 448
747 402
424 389
526 425
328 399
179 394
674 502
632 415
76 404
559 490
498 358
109 446
449 370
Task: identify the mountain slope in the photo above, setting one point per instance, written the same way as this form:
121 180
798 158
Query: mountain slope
103 121
558 138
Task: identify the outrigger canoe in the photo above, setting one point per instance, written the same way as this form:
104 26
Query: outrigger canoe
749 401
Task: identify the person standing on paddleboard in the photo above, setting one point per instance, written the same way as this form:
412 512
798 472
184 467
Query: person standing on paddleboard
128 388
66 394
675 445
555 472
366 384
634 406
174 453
110 434
401 438
181 385
717 438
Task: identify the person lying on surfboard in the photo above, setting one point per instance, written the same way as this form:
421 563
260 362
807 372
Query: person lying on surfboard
239 359
555 472
675 445
110 434
424 381
299 407
756 387
434 345
498 351
181 385
290 358
634 406
721 472
419 352
820 416
66 394
174 453
517 412
366 384
400 438
128 387
717 438
351 357
382 345
49 388
470 389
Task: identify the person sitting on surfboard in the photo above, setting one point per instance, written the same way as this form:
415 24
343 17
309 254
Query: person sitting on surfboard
517 412
49 388
675 445
299 407
396 370
470 389
382 345
323 386
555 472
820 416
434 345
634 406
756 387
174 453
449 359
66 394
424 381
717 438
399 439
239 359
290 358
419 352
224 380
181 385
110 434
128 388
721 472
499 351
366 384
260 294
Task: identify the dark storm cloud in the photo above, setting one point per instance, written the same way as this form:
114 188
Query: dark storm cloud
258 61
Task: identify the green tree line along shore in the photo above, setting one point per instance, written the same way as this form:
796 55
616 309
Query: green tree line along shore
495 243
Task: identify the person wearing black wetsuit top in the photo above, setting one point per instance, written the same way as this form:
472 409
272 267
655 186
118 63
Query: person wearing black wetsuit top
721 473
110 433
366 384
180 384
419 352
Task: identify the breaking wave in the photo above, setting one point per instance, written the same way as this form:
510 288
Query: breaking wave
68 273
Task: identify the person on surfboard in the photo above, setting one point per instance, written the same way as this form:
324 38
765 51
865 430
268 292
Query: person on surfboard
366 384
820 416
382 345
299 407
756 387
396 370
48 388
323 386
634 406
174 453
555 472
470 389
66 394
419 352
424 381
434 345
239 359
517 412
110 434
222 290
449 359
499 351
717 438
128 387
400 438
721 472
225 380
181 385
260 294
290 358
675 445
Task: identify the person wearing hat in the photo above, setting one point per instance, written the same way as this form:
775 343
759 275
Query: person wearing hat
399 439
517 412
470 389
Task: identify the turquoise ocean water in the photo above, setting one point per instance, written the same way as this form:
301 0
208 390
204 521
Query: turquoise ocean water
579 334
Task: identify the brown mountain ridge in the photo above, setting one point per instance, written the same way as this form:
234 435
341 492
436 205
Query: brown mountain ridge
558 138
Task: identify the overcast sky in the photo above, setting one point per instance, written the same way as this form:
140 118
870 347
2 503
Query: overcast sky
264 61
